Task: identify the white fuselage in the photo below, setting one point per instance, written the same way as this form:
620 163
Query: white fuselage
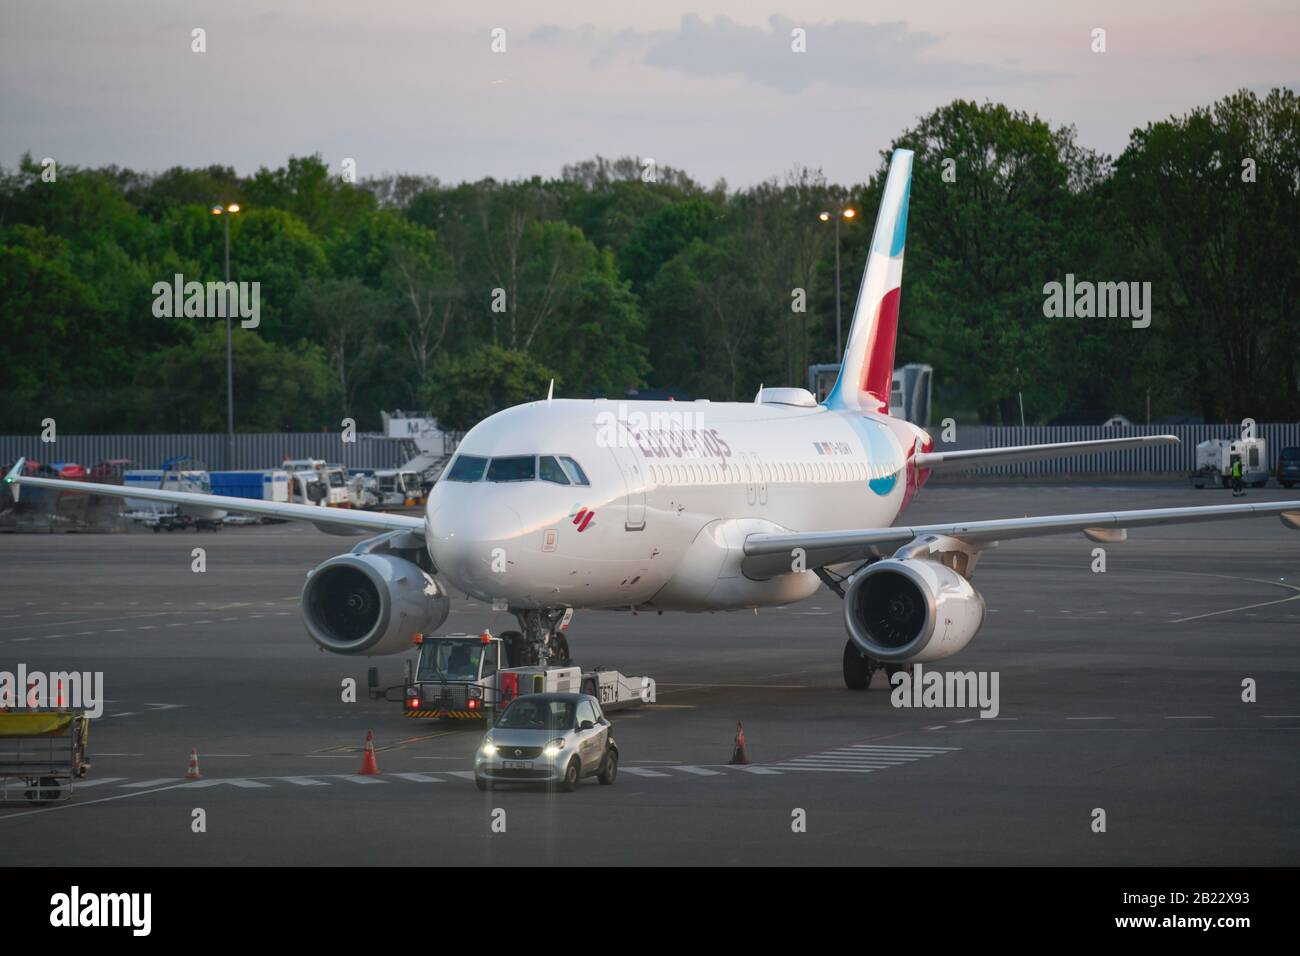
674 488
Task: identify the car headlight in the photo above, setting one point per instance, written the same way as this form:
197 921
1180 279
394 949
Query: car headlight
489 748
553 748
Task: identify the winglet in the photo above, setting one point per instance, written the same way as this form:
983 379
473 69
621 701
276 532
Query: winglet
550 392
11 479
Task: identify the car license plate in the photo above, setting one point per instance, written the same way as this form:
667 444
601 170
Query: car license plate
519 765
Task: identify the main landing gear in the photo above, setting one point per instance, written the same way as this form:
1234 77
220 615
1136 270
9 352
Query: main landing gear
539 642
859 668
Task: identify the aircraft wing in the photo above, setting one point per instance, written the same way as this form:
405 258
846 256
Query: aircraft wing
326 519
769 554
938 461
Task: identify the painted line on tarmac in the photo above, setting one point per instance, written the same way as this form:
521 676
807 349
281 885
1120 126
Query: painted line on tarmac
1248 607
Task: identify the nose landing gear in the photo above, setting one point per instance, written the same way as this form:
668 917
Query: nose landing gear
539 642
859 669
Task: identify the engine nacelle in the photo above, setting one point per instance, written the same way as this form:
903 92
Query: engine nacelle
905 611
371 604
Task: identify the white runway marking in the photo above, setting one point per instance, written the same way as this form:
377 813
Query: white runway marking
242 782
862 758
95 782
1248 607
141 784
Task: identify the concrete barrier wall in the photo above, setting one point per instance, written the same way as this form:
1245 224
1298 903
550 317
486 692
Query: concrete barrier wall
268 450
1171 460
251 450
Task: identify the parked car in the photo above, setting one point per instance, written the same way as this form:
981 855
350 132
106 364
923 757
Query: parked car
1288 467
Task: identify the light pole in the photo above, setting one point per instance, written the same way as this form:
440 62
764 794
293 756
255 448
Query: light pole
847 214
225 213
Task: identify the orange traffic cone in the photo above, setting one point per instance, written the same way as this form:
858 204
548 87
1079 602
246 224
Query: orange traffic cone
192 772
368 766
738 755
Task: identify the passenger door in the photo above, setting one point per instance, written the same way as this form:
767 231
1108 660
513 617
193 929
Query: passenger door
591 740
634 480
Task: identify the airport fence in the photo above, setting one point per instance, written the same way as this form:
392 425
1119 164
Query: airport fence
1169 460
269 449
252 450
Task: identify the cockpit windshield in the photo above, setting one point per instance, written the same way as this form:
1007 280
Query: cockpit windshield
548 469
557 469
575 471
466 468
518 468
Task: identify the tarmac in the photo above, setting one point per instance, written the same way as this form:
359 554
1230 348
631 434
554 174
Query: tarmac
1120 691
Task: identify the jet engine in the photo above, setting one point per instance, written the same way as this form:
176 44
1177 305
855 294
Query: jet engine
905 611
371 603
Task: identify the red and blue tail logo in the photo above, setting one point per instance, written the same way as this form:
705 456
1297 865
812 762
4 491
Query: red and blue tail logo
868 366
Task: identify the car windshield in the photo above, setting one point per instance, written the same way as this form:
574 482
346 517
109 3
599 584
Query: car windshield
449 660
1290 454
535 713
466 468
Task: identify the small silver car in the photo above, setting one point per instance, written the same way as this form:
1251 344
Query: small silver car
548 738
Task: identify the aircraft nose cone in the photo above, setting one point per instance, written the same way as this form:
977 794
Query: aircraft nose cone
473 546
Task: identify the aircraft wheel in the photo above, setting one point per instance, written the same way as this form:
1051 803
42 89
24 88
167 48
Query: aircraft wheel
858 668
513 642
559 648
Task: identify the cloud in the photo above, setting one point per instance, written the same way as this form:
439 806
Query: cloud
844 53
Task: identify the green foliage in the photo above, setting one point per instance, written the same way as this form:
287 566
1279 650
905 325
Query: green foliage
277 388
486 380
400 291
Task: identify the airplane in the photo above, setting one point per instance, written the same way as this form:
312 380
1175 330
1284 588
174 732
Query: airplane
564 504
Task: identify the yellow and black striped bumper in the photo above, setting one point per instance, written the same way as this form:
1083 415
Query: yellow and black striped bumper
446 714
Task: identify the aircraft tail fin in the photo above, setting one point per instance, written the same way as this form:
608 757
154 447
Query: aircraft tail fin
867 369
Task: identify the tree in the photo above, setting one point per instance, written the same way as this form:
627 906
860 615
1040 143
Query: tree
484 382
343 316
981 244
1211 202
277 388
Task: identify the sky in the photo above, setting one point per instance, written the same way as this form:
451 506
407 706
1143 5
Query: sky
714 89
